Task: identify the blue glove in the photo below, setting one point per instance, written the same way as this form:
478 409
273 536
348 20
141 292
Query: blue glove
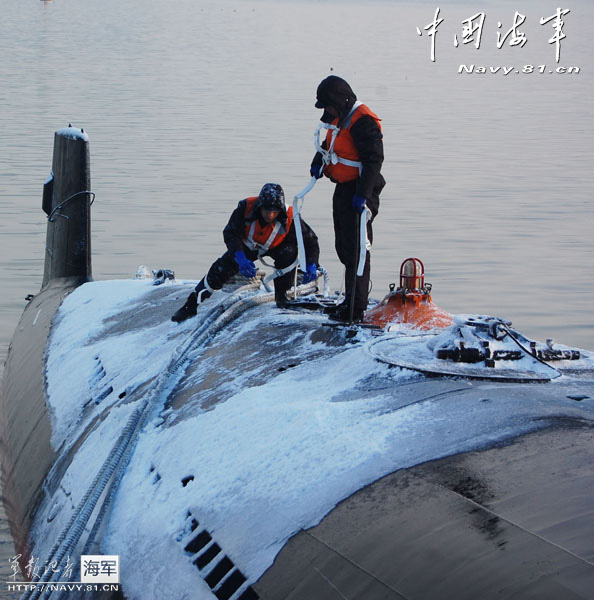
246 267
311 273
316 170
359 203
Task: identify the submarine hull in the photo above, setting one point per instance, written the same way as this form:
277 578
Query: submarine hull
25 425
284 461
255 452
505 522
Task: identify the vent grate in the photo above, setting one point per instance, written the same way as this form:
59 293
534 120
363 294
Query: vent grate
221 569
225 580
208 555
202 539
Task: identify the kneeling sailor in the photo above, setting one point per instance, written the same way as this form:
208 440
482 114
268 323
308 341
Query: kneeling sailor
259 226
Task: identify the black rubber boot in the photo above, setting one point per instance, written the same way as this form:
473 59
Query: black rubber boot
342 314
330 310
280 297
189 309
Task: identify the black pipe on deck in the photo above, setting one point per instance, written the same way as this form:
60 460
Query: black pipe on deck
67 201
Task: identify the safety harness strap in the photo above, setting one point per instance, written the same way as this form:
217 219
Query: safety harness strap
348 118
278 272
328 155
350 163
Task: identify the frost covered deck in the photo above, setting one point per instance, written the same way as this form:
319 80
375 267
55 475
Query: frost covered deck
278 420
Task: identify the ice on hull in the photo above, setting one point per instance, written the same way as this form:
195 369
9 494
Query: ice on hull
277 421
275 457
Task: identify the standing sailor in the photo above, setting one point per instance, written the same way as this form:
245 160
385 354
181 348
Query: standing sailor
351 156
259 226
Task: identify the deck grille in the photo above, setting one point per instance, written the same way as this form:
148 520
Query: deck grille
225 580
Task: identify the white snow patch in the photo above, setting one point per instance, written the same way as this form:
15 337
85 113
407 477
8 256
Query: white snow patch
273 459
77 352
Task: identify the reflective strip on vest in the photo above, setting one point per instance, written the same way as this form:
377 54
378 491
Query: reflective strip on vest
262 248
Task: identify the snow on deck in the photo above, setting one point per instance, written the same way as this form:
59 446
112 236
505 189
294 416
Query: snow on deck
281 450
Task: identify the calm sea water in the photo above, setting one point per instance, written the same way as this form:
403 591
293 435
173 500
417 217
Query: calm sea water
192 105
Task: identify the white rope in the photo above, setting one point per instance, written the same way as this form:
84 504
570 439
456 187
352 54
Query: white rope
124 447
297 204
115 465
364 245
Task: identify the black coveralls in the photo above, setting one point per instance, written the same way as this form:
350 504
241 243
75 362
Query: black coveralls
284 254
367 138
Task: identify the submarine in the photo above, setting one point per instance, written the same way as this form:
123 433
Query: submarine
257 452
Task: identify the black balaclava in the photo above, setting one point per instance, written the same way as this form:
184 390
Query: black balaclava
336 92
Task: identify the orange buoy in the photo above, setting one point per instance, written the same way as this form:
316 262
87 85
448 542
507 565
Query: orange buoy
410 303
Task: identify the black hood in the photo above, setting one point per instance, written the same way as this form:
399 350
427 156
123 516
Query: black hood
337 93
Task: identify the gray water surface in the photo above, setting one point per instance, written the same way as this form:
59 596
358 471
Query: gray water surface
192 105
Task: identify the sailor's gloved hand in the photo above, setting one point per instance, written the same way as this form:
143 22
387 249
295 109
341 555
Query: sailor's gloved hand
311 273
359 203
246 267
316 170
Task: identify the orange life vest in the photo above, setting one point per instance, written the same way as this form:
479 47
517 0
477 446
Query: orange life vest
344 159
262 238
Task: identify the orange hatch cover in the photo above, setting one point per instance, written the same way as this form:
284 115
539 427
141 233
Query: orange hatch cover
410 303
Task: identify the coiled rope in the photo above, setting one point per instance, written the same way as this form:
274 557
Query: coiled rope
119 457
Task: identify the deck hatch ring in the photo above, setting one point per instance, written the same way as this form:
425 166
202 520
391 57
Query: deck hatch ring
225 580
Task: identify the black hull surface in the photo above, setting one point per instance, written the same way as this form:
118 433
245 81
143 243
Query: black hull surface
513 521
24 421
254 452
511 518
